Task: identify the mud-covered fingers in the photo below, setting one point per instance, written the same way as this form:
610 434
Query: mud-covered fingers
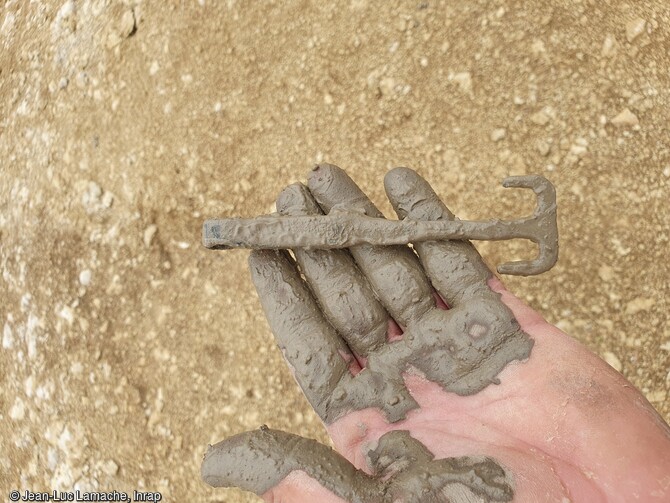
342 291
309 343
404 470
394 451
455 268
417 476
393 271
258 461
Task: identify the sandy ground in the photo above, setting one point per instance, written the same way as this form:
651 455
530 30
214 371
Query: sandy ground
127 347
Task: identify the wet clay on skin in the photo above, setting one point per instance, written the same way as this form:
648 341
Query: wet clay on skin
463 348
402 469
337 314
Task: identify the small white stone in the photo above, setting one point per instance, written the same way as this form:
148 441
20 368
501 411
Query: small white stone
543 147
579 147
66 10
18 410
606 273
110 467
245 185
45 391
7 337
424 62
464 81
85 277
537 47
625 118
634 28
91 196
67 314
29 386
639 304
153 69
609 47
666 172
52 459
107 199
387 85
127 24
26 299
498 134
657 396
149 234
540 118
81 79
613 361
8 23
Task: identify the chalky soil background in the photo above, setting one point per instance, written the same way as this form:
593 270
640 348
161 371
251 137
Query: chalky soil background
127 347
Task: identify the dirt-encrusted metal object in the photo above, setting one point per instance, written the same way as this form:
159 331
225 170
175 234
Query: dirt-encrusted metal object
342 228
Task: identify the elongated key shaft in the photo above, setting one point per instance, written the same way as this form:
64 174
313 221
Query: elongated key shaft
342 229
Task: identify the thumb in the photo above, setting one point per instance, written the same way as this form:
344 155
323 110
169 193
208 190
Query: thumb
265 460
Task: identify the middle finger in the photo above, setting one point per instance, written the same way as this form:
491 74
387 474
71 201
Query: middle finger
394 272
342 291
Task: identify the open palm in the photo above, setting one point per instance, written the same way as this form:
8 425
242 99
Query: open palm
434 382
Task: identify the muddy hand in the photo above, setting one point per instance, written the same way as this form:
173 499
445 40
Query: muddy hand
434 382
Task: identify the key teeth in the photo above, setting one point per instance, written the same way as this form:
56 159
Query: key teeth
545 215
522 268
515 182
543 188
545 260
536 182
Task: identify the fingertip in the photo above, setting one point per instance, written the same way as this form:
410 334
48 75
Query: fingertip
322 175
330 185
213 469
296 200
412 196
396 176
398 183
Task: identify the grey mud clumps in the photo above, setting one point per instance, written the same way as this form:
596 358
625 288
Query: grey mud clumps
332 312
403 470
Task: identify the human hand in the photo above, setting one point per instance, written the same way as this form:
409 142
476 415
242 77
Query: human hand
483 401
